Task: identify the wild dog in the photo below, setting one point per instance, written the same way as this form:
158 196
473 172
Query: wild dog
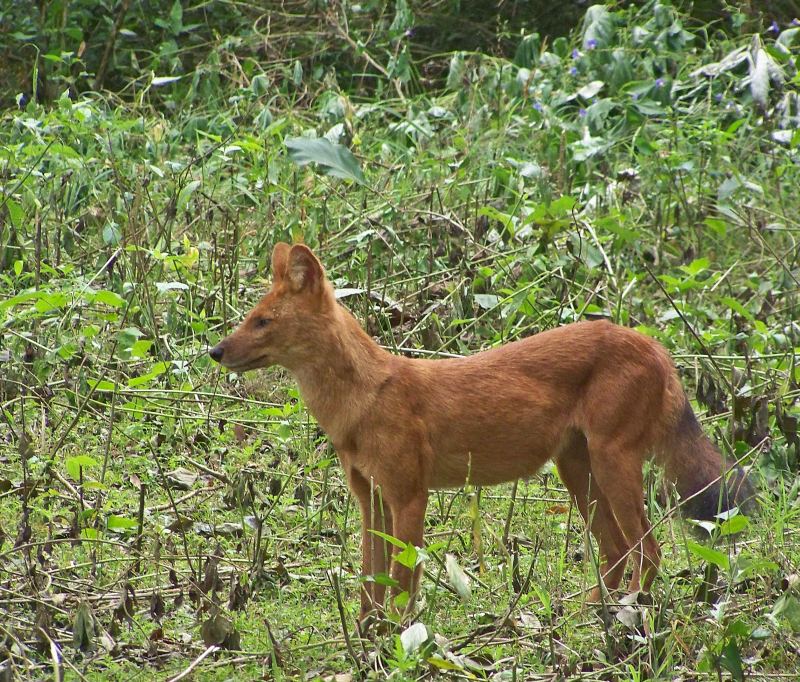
597 398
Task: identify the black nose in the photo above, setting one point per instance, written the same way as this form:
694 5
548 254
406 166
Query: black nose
216 353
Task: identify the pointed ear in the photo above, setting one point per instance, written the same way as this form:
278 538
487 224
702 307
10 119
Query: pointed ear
280 260
304 270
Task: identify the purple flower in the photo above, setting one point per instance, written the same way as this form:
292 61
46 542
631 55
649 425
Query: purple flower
774 28
573 71
635 96
718 97
409 33
576 53
795 22
591 44
581 112
538 106
659 82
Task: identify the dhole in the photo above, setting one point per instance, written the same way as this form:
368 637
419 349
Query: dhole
595 397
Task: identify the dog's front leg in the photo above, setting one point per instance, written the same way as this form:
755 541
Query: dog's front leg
375 552
408 523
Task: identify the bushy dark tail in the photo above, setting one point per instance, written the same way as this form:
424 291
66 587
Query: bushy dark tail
707 483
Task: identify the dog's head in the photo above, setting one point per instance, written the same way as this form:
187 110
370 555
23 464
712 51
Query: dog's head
282 328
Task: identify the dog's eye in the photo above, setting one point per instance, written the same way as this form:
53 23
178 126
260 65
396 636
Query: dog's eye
262 322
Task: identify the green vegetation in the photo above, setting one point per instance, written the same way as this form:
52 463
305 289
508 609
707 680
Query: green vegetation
644 168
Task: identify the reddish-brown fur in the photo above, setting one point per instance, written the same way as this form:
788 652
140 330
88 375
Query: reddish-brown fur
595 397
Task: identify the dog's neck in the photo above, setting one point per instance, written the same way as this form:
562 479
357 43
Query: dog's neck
340 381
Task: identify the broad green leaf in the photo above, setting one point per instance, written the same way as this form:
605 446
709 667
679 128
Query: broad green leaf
401 600
444 664
101 385
186 193
589 146
51 301
737 628
648 108
141 348
403 18
562 206
788 606
735 524
731 660
527 54
24 297
616 226
621 69
64 151
15 212
259 85
718 225
506 220
128 336
733 127
728 187
408 557
249 145
712 556
389 538
384 579
109 298
746 567
111 234
544 597
176 17
75 464
83 627
333 159
737 307
158 369
598 27
120 523
696 266
134 382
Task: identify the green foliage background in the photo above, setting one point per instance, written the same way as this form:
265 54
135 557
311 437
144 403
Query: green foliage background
467 180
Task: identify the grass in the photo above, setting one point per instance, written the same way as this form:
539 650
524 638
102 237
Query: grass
643 170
